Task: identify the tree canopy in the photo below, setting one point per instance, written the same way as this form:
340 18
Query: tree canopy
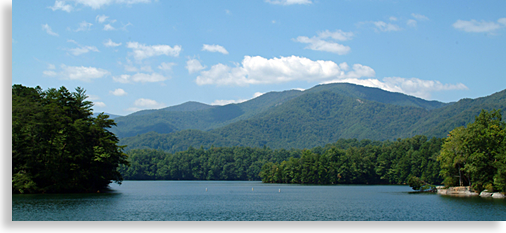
57 146
476 155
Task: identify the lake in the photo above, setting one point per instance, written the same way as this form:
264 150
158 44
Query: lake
253 201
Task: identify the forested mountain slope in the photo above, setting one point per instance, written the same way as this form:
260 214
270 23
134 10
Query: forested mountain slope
194 115
318 116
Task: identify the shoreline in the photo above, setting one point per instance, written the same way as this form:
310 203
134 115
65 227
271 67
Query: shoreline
467 191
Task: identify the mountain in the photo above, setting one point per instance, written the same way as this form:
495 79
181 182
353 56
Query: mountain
305 119
194 115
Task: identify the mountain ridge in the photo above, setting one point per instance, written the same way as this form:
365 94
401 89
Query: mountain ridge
315 117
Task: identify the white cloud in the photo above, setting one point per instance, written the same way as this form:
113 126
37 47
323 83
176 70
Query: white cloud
60 5
145 104
97 4
47 28
386 27
51 67
129 68
101 18
318 43
49 73
84 26
322 45
124 78
419 17
288 2
411 23
475 26
502 21
414 86
118 92
109 43
166 66
214 48
193 65
80 73
141 51
108 27
392 18
225 102
81 49
99 104
259 70
337 35
140 77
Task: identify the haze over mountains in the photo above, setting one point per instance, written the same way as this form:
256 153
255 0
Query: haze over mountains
299 119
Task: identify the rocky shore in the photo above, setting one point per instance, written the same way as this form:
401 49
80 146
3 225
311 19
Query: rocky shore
467 191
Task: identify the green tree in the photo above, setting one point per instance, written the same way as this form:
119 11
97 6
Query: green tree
57 146
475 155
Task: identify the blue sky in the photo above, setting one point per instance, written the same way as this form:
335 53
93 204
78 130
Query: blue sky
145 54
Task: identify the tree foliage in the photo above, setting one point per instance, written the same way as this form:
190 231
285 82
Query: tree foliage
57 146
475 155
347 161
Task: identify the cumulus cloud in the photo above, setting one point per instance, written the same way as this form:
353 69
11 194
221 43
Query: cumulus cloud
141 51
140 77
99 104
288 2
320 44
142 103
193 65
214 48
109 43
60 5
80 73
479 26
413 86
48 30
118 92
259 70
225 102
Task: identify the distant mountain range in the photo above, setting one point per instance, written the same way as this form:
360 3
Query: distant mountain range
299 119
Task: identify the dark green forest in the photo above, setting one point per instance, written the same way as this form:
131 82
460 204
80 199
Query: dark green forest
57 146
347 161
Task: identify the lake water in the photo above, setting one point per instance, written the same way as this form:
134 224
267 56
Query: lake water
253 201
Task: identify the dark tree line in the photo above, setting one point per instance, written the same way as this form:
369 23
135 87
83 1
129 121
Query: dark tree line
389 163
215 163
347 161
57 146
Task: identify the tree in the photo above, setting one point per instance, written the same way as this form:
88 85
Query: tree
476 155
453 158
57 146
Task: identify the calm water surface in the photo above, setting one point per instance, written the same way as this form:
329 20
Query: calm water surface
236 201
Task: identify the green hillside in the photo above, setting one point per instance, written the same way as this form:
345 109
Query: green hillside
306 119
193 115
